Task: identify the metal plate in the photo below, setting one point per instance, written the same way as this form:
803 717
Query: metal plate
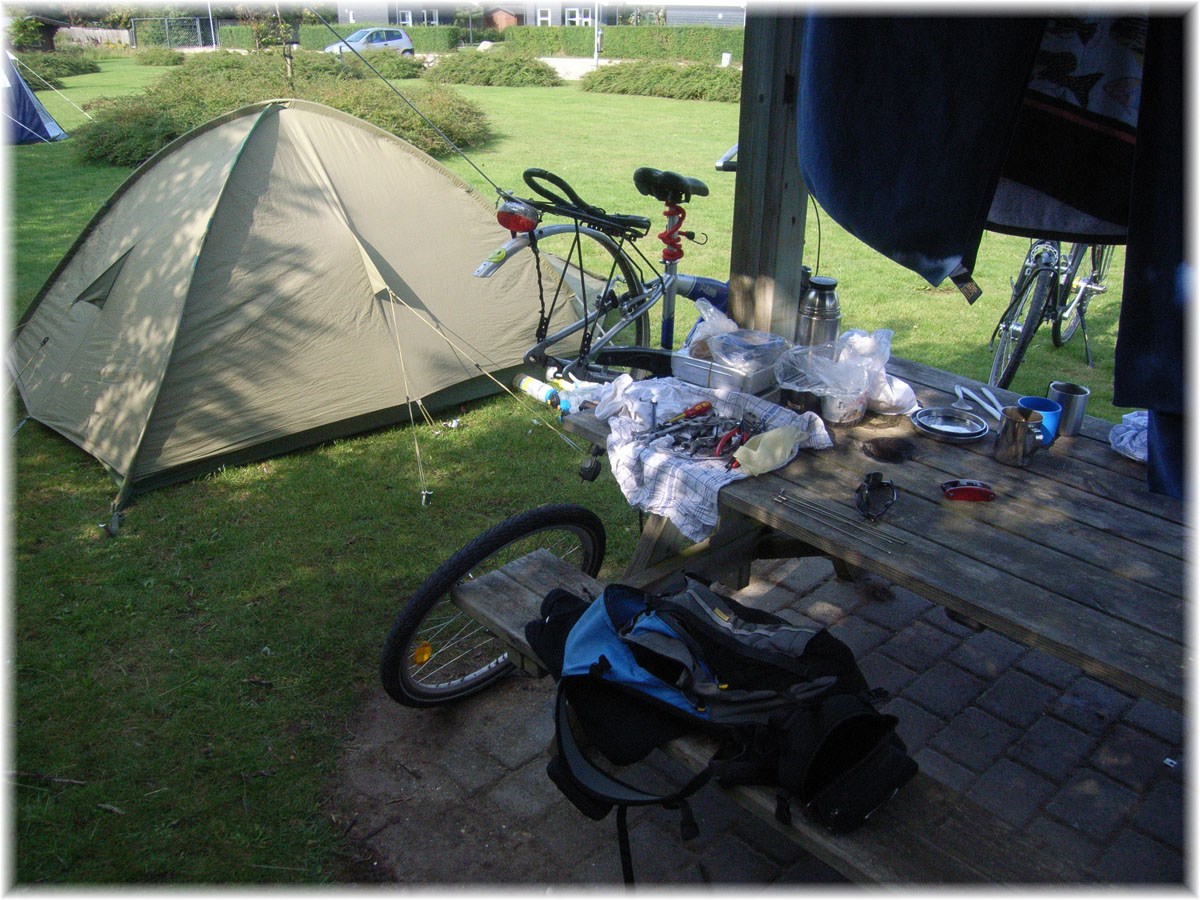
944 423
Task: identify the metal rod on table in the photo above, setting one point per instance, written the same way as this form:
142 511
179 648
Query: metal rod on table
833 517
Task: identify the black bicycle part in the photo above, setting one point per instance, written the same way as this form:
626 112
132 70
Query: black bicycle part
1020 321
874 496
435 653
668 187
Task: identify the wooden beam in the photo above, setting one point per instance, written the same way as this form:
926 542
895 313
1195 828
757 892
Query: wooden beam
770 197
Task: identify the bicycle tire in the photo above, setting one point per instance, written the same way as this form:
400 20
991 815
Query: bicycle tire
1018 325
1065 326
606 273
435 653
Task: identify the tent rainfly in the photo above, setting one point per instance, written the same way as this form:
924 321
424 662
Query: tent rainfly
283 275
29 123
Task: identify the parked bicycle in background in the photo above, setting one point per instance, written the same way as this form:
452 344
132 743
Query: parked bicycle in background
1054 287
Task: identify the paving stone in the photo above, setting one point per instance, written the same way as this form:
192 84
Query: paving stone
1161 813
1089 705
1011 791
938 619
974 738
1017 698
810 870
947 771
944 689
987 654
859 635
1158 720
1053 748
916 725
526 793
1135 858
883 672
1049 669
1131 756
900 610
472 769
1092 803
660 855
919 646
714 811
769 841
830 603
1063 841
727 859
514 742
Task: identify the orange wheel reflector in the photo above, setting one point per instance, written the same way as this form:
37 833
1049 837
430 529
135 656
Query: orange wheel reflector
422 653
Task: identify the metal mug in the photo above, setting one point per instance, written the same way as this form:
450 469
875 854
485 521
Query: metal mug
1073 399
1020 435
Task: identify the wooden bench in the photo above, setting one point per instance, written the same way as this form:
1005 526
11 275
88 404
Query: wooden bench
927 834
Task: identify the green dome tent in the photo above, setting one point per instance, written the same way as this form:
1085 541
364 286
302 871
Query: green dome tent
283 275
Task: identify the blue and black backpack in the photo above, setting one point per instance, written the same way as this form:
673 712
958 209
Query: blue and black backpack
787 704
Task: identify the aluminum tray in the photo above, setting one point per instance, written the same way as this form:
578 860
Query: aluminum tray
945 423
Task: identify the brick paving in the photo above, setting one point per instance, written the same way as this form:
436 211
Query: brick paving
459 795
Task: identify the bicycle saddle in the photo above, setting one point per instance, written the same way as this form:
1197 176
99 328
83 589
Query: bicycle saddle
669 187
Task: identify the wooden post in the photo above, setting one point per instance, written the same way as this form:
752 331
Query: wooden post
769 198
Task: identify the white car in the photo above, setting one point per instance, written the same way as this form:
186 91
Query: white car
376 39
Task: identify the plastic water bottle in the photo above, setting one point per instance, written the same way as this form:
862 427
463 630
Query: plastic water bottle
538 390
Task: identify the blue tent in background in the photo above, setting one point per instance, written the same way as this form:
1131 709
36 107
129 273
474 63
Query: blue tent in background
29 121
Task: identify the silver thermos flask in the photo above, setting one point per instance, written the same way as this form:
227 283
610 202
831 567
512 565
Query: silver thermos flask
820 316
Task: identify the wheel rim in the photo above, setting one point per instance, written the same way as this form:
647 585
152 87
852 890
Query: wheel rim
449 652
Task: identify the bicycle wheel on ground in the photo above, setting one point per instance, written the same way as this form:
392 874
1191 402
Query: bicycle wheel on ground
1096 259
589 271
1018 325
435 653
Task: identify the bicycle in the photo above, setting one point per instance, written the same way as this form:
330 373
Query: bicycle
435 653
1048 289
593 262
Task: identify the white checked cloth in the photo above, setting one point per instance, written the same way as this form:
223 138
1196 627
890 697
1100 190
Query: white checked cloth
681 488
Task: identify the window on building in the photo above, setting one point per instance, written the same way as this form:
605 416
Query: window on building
577 16
404 17
431 17
543 17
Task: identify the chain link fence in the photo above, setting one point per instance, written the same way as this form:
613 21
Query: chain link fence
173 33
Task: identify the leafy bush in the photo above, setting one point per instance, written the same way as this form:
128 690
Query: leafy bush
496 68
59 64
698 43
159 56
24 31
387 63
690 82
126 131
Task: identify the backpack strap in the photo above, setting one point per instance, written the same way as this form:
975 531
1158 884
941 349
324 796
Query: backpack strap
594 792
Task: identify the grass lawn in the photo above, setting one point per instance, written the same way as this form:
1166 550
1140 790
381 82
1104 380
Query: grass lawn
182 691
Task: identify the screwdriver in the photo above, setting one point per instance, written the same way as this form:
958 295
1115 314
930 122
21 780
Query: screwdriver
700 409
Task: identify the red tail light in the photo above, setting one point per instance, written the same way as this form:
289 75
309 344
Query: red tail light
517 216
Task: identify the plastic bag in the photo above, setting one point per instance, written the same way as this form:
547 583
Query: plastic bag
1130 438
840 367
712 322
746 350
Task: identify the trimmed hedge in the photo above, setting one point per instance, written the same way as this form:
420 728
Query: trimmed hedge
688 82
425 38
127 130
695 43
494 68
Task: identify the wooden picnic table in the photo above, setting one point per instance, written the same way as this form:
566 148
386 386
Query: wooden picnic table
1074 556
